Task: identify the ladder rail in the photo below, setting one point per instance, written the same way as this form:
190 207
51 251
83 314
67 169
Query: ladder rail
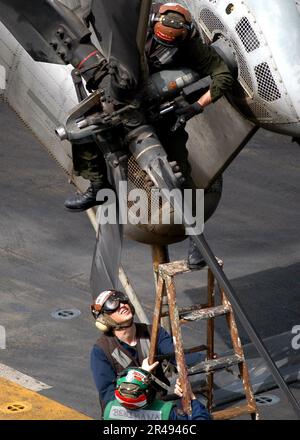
156 320
237 346
180 356
210 338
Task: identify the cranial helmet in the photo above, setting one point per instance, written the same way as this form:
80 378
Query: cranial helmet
134 388
106 303
173 24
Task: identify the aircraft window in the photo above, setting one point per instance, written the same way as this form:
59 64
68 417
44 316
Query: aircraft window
247 35
267 88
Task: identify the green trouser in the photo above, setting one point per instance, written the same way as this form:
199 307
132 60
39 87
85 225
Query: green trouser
88 161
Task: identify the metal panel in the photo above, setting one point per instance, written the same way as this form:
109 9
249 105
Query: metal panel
216 137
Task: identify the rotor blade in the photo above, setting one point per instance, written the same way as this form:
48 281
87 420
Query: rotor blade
142 32
106 260
121 27
108 247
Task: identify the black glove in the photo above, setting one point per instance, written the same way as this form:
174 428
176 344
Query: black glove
185 113
189 111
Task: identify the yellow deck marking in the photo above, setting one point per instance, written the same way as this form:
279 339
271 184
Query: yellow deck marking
18 403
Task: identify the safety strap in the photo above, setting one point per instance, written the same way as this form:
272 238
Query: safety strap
121 357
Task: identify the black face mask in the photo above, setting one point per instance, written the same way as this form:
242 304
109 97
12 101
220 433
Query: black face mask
113 302
159 54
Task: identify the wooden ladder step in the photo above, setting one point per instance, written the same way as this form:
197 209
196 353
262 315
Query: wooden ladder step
179 267
202 313
233 412
215 364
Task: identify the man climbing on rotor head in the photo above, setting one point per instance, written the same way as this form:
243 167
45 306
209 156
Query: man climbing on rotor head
173 42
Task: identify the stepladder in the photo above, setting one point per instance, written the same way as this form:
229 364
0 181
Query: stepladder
217 305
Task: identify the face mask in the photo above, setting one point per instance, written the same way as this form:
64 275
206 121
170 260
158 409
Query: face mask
162 55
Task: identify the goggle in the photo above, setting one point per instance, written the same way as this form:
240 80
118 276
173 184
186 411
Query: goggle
113 302
130 390
175 24
170 22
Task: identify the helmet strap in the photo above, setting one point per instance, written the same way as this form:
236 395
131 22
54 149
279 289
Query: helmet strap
124 325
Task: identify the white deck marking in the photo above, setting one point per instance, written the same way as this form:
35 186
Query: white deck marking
22 379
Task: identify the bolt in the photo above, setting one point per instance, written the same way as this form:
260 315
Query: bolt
62 54
60 32
53 44
68 42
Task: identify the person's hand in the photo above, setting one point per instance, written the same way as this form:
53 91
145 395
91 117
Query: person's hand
146 366
186 113
189 111
178 390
